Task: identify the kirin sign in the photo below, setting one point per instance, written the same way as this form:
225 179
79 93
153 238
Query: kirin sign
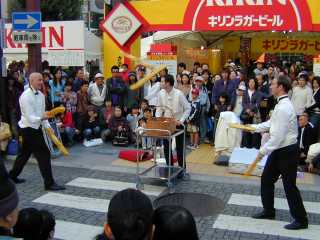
256 15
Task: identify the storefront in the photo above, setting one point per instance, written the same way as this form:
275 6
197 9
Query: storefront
226 28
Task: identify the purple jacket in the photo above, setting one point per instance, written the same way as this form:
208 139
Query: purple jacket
230 89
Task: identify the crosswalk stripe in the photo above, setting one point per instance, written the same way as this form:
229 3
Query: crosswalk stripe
71 230
270 227
71 201
113 185
279 203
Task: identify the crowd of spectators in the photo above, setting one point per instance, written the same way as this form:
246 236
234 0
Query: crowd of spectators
108 109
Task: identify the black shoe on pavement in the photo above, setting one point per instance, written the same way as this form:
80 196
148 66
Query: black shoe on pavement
17 180
265 215
55 187
295 225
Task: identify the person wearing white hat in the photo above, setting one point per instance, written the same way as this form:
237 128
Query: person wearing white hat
97 95
238 105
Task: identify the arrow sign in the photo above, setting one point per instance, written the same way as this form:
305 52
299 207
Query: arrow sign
26 21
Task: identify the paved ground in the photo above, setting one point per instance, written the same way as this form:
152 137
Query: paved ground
92 179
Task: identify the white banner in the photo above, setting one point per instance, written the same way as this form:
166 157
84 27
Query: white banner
66 58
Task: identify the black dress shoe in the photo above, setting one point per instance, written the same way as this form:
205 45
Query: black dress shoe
265 215
55 187
295 225
18 180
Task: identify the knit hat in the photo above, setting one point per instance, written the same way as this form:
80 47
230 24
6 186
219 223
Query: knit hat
130 215
9 198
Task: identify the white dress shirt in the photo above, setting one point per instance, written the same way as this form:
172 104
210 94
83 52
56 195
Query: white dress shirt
282 126
173 104
32 105
153 93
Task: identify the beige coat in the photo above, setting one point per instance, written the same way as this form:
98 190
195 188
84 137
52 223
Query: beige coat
5 135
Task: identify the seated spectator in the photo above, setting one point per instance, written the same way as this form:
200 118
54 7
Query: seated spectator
129 217
48 225
8 203
67 128
69 98
305 137
82 105
313 158
28 225
91 124
193 121
174 222
118 126
5 135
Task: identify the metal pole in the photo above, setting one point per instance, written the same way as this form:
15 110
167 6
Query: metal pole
3 100
34 50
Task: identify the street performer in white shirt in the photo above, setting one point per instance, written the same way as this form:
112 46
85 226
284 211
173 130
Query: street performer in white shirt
282 151
173 103
33 117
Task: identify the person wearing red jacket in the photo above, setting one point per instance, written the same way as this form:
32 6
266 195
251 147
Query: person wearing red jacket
67 127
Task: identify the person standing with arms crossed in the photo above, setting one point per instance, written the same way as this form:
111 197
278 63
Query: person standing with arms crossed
33 118
282 151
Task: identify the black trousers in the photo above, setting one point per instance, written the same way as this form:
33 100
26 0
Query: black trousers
179 149
284 162
34 143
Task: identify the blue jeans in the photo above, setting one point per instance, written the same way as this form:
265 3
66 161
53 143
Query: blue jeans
203 123
70 132
89 133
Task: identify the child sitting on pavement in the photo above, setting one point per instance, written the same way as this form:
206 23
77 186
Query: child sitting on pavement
118 126
91 124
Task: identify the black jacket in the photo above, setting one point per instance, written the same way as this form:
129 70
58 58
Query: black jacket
308 138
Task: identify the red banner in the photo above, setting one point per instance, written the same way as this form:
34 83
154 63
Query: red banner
255 15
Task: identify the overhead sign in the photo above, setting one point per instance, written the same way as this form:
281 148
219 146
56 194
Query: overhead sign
26 21
27 37
121 24
262 15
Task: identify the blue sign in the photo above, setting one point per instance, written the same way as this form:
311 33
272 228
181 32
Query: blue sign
26 21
